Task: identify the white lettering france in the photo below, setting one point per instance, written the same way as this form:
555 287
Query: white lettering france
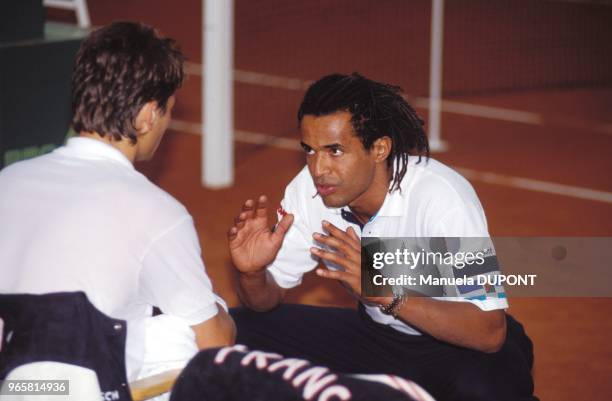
314 380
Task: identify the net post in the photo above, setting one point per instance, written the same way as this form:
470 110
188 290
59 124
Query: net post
436 143
217 89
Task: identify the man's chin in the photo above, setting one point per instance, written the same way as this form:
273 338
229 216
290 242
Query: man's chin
331 201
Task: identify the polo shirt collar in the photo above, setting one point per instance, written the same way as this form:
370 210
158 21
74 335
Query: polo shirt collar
88 148
393 206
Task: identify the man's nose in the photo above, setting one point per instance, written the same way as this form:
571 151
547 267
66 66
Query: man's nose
320 165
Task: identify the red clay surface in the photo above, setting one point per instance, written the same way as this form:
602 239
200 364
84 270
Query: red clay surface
390 41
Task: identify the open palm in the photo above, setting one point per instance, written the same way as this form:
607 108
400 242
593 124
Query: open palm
253 245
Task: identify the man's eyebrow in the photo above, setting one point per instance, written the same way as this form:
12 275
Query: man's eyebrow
304 145
329 146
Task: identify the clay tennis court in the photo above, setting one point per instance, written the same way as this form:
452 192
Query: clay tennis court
528 119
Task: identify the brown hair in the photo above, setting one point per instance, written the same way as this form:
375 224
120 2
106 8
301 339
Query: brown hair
118 69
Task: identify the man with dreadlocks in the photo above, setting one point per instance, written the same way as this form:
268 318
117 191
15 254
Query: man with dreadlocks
369 174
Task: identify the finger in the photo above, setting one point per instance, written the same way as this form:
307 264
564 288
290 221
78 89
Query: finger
332 257
262 206
335 243
248 205
333 230
333 274
241 217
232 233
283 226
356 243
249 208
351 233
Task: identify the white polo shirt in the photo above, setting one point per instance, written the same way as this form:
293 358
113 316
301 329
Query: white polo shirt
83 219
435 201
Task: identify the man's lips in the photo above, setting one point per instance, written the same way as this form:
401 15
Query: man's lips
325 190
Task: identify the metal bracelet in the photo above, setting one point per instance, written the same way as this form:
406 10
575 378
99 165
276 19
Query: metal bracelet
390 308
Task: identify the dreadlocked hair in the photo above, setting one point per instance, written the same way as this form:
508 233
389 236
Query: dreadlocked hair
377 110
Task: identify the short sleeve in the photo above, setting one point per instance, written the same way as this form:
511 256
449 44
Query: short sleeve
468 221
294 258
173 276
464 220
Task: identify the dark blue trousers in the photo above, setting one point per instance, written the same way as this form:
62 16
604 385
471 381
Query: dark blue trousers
349 341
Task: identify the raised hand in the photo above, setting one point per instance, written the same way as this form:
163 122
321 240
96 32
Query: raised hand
252 243
346 252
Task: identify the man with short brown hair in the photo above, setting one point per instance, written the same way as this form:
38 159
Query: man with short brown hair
83 219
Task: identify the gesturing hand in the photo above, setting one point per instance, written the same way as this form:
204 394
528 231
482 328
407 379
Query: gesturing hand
253 245
346 252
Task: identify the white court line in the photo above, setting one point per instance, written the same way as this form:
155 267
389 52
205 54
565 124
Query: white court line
474 175
448 106
536 185
269 140
476 110
257 78
254 138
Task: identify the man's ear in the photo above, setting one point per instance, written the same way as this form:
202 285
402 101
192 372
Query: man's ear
146 117
382 148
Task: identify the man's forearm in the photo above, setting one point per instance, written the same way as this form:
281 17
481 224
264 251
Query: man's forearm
259 291
458 323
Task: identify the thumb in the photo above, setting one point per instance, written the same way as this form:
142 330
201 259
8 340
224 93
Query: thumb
351 232
283 225
356 240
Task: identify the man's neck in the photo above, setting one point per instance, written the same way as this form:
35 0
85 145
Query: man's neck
370 202
123 145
